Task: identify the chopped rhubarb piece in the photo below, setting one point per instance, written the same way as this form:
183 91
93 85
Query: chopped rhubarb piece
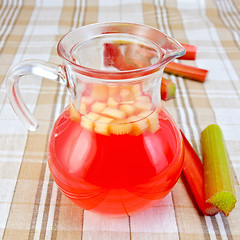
83 108
112 103
219 187
138 125
152 118
75 116
121 42
144 99
120 127
128 102
98 107
168 89
139 55
191 52
136 90
111 54
126 94
193 173
153 122
142 106
113 91
99 92
134 63
87 121
144 114
134 56
130 65
127 108
186 71
87 100
114 113
139 50
114 57
102 125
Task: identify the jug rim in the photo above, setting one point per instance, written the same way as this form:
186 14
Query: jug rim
125 74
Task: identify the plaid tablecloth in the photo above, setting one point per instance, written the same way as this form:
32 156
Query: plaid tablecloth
31 205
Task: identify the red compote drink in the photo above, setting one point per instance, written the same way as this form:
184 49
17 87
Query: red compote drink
116 158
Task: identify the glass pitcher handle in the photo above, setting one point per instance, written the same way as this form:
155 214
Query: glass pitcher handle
30 67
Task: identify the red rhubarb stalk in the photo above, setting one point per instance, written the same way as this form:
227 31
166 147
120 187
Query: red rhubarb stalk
114 57
193 172
191 52
186 71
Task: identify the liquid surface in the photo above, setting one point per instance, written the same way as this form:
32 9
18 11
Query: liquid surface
128 46
116 174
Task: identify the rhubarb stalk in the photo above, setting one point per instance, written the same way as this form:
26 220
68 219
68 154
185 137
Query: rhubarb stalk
193 172
191 52
219 188
168 89
186 71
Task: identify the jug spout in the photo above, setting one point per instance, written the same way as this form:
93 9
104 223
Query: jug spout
171 49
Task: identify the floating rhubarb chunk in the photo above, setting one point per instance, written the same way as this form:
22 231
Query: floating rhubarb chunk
136 90
186 71
102 125
139 55
98 107
144 114
134 63
75 116
121 42
120 128
218 181
131 60
138 126
113 56
99 92
142 106
168 89
191 52
143 99
83 108
113 92
128 102
152 118
112 103
153 122
87 121
127 108
193 173
87 100
126 94
113 113
143 103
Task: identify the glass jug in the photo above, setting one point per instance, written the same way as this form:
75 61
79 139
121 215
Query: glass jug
114 149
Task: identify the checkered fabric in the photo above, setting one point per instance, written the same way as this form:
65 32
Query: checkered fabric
31 205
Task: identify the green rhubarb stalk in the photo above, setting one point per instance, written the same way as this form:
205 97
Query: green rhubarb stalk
218 182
